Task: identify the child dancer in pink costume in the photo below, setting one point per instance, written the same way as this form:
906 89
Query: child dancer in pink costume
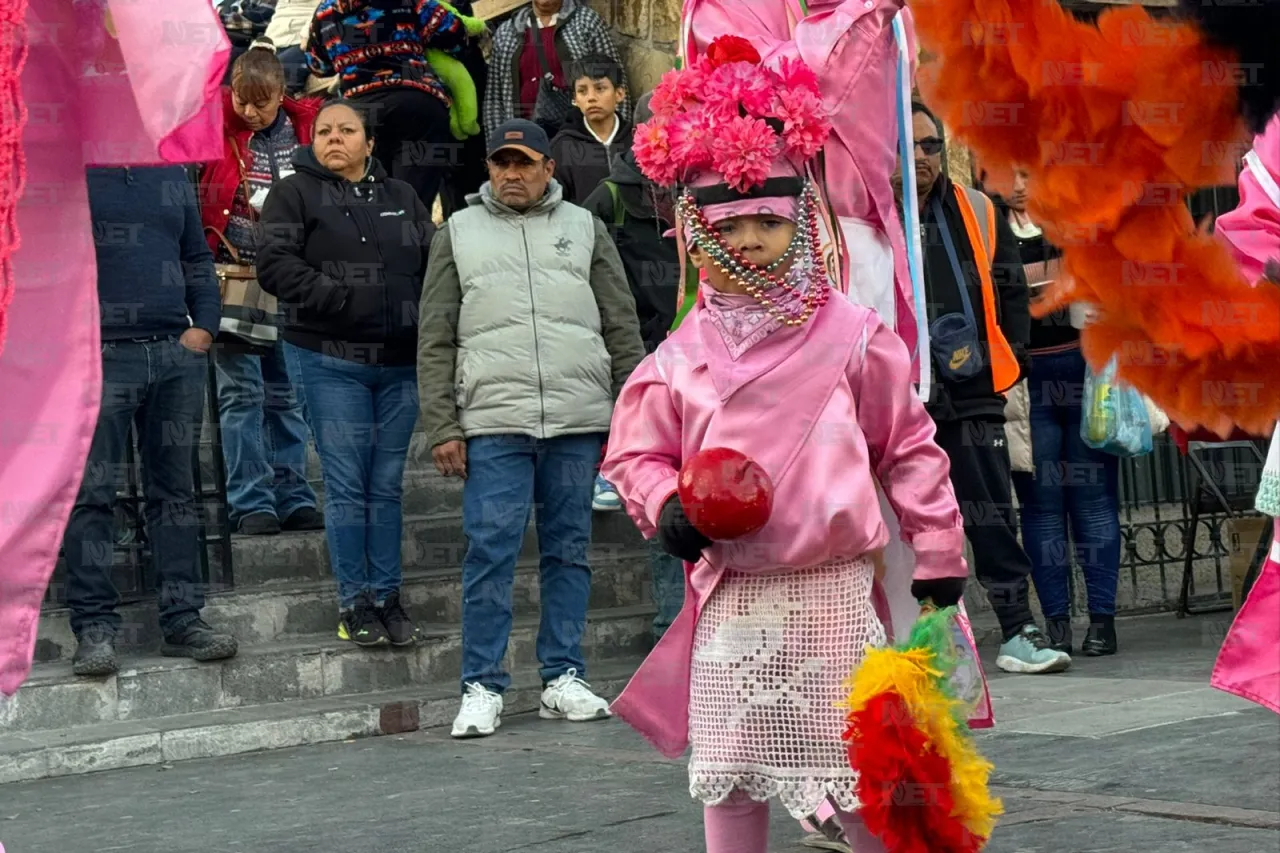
818 392
850 46
1249 663
105 82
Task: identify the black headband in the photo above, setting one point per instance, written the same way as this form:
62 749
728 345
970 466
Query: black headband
723 193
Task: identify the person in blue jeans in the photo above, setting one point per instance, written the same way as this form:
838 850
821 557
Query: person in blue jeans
155 358
344 248
1072 493
264 433
528 332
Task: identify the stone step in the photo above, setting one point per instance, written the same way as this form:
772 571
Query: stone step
233 731
278 612
302 668
431 541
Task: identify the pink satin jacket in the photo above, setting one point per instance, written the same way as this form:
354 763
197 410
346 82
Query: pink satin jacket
827 409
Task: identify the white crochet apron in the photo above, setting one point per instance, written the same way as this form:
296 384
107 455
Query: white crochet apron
771 655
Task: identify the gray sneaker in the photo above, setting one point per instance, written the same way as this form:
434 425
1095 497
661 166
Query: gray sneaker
1029 652
95 652
198 641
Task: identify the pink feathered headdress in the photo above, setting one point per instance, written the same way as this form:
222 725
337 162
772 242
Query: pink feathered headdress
730 116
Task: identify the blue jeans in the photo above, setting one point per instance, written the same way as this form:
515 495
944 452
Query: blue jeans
159 386
507 476
363 417
264 435
1073 485
666 583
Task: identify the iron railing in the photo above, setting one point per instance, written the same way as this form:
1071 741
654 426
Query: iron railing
1161 529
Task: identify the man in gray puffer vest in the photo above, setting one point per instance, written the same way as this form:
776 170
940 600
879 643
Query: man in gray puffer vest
528 331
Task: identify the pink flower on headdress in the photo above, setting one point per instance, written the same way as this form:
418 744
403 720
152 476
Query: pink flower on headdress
796 75
743 150
678 91
689 138
651 146
805 126
740 83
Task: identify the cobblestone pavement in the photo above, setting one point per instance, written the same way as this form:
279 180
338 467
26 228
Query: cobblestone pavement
1133 753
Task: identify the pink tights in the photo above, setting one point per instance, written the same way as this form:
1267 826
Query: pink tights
741 825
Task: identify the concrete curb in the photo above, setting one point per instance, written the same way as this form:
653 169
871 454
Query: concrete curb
213 734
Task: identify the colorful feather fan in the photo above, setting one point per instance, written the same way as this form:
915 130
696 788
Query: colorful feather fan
922 784
1116 122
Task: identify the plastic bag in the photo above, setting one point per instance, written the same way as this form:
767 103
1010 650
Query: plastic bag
1115 416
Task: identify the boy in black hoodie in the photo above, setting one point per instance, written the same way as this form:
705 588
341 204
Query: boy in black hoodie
638 213
594 133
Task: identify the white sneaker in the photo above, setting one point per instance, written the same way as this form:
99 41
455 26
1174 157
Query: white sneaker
481 712
569 698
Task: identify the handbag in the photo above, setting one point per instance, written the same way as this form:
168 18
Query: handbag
953 338
1115 416
248 311
553 102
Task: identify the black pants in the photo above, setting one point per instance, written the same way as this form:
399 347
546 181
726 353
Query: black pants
464 178
981 476
412 139
294 62
159 386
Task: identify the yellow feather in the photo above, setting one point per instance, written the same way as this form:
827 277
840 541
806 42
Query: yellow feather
914 676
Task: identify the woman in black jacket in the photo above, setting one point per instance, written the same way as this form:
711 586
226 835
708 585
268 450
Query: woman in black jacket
345 248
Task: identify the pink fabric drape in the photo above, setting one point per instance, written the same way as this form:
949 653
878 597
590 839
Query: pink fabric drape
1249 663
1252 229
149 97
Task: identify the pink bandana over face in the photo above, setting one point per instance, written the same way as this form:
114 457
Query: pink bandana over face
741 320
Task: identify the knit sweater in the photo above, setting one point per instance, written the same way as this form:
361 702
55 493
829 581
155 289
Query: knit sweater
155 270
379 44
272 149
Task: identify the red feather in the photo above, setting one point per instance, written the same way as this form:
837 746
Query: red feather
903 784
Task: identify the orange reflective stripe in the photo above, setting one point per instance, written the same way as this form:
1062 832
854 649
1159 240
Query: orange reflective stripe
1004 366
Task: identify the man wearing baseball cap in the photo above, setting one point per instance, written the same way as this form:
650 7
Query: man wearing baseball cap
528 332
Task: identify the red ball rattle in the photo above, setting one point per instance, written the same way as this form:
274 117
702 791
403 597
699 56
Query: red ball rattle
726 494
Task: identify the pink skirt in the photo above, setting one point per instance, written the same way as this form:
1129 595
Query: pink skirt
771 656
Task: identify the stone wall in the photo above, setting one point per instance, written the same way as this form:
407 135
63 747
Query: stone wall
647 32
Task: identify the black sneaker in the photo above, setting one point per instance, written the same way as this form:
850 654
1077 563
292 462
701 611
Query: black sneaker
360 624
196 640
1101 639
95 652
1059 631
400 628
259 524
306 518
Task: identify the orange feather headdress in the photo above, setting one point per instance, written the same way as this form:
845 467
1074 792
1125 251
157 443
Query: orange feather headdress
1116 122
